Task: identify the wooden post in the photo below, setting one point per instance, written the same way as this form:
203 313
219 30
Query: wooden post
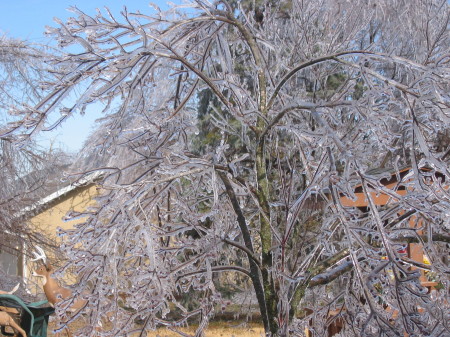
415 250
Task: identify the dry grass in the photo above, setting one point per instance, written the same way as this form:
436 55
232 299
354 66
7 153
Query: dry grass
215 329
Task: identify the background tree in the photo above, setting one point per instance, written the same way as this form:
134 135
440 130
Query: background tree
304 105
28 172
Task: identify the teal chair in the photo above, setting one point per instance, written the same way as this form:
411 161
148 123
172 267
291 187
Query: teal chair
33 316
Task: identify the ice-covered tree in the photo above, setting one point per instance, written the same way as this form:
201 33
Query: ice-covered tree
27 172
232 136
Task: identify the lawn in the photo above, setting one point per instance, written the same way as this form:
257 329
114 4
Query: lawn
218 329
215 329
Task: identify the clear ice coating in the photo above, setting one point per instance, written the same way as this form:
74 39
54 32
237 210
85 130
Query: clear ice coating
300 158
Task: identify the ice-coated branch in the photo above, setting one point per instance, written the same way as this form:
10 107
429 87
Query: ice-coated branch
243 139
254 269
244 249
217 269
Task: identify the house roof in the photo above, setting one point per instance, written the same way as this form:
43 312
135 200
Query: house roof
42 203
388 177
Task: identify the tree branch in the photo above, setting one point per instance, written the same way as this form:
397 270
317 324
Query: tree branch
254 268
306 65
401 218
423 238
217 269
335 58
300 106
329 262
245 249
331 275
391 82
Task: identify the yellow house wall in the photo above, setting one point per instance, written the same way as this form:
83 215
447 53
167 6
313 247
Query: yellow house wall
51 218
77 200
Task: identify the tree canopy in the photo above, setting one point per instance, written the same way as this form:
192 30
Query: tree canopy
233 134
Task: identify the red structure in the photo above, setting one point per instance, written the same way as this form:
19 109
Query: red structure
397 182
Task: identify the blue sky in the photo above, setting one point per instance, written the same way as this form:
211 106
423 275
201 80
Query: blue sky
26 19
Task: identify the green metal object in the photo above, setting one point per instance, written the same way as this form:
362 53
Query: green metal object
33 316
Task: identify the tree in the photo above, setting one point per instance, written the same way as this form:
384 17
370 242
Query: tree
27 172
306 102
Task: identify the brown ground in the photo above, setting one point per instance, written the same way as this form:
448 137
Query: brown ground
215 329
218 330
